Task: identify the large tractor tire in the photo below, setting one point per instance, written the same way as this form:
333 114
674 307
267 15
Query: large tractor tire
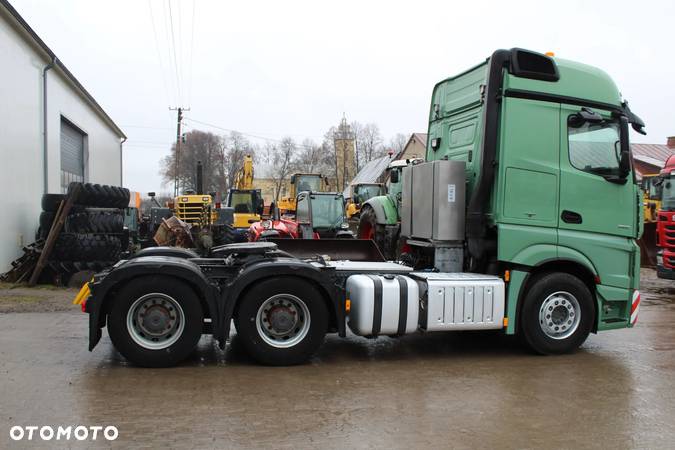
51 202
155 321
86 247
92 221
557 313
370 229
102 196
282 321
45 224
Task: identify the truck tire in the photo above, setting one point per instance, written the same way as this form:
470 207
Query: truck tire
558 313
282 321
155 321
51 202
370 229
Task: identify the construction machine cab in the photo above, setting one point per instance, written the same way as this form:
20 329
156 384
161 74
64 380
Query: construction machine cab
361 193
321 213
247 204
301 182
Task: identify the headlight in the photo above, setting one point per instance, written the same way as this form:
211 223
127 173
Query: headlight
345 226
184 199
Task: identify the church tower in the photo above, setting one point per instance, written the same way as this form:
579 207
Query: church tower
345 160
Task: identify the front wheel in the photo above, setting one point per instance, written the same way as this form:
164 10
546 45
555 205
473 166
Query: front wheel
155 321
558 313
282 321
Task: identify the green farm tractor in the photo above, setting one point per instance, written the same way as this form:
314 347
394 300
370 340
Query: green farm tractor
380 218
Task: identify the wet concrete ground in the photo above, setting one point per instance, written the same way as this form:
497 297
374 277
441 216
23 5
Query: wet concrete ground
460 390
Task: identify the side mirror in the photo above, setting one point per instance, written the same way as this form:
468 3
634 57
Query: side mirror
394 176
624 161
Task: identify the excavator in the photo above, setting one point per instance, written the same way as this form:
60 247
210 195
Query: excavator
300 182
245 200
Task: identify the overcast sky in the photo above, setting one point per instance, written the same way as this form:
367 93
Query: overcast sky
277 68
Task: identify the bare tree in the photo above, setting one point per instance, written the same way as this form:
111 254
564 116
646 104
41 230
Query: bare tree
310 157
198 146
397 143
237 148
282 158
369 141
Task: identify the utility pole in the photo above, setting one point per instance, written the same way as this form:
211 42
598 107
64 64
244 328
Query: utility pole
178 142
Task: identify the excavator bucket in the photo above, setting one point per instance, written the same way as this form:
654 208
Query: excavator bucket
648 245
335 249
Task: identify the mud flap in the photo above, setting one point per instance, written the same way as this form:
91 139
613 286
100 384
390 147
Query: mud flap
648 245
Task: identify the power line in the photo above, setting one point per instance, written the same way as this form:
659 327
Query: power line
167 40
146 127
175 58
192 47
159 56
242 133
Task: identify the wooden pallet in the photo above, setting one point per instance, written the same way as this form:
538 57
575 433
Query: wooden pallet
23 266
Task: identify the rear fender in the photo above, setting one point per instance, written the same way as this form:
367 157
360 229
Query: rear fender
103 289
385 211
272 269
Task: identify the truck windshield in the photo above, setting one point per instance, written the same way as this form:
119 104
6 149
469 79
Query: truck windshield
365 192
327 211
595 147
668 195
308 183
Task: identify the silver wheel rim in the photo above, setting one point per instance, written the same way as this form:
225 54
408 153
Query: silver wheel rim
559 315
155 321
283 320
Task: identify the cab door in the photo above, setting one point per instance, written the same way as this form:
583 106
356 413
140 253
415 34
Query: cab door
597 212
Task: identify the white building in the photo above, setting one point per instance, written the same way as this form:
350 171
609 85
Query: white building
52 131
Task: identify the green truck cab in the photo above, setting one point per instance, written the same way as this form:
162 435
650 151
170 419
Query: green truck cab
549 180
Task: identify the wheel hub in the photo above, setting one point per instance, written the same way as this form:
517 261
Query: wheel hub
155 321
559 315
283 320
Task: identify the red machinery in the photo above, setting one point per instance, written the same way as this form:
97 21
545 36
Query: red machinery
665 226
319 215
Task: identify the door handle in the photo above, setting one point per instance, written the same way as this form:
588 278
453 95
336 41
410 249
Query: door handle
571 217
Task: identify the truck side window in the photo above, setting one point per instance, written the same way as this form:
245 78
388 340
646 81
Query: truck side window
302 210
595 147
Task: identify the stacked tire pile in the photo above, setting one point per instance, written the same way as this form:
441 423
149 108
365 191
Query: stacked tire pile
92 237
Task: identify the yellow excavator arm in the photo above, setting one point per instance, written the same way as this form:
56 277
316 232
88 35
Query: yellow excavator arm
244 178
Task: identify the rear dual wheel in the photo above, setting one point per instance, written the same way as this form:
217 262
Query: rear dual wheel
155 321
282 321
